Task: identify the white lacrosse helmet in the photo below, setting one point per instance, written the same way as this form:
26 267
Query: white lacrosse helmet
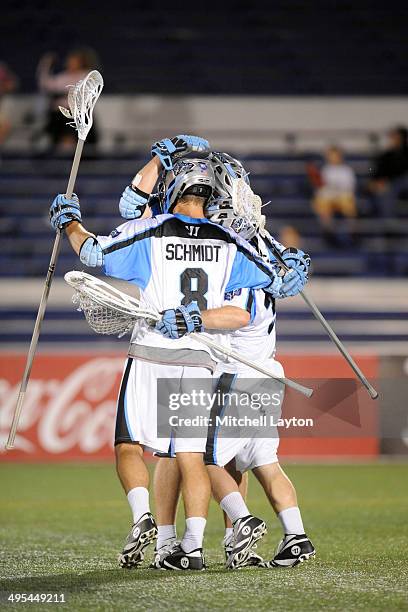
220 207
188 177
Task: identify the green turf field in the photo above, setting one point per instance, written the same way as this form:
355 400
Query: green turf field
62 526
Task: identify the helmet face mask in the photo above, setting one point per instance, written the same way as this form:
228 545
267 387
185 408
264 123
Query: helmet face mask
219 208
188 177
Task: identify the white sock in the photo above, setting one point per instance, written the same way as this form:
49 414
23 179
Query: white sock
228 534
166 535
138 499
234 506
291 521
194 534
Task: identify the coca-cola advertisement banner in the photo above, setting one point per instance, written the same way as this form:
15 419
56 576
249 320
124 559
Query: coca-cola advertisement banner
70 405
69 408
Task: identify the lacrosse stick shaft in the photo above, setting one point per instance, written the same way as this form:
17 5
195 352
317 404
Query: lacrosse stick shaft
74 168
333 336
42 306
286 381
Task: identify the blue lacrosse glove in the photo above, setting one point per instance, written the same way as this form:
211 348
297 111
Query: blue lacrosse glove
275 286
133 203
91 253
64 210
170 150
177 322
298 275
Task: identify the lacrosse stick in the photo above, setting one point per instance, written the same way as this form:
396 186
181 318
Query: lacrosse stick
248 204
110 311
82 98
333 336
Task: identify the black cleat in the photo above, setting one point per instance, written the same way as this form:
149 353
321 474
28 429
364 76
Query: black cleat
253 560
247 531
143 533
160 553
292 550
177 559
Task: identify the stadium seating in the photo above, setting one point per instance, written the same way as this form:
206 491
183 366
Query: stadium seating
282 49
27 185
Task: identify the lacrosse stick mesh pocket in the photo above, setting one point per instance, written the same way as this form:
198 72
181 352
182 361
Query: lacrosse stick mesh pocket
101 318
245 202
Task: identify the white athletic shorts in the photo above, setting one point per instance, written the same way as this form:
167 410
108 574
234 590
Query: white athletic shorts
136 419
248 452
257 452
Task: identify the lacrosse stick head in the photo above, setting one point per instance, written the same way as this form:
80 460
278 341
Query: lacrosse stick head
246 203
106 309
82 98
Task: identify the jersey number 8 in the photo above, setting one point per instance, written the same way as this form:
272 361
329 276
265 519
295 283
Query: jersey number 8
194 286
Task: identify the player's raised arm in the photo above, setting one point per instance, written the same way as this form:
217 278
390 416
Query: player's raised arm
65 213
119 253
134 203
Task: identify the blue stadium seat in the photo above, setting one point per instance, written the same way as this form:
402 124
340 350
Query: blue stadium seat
27 185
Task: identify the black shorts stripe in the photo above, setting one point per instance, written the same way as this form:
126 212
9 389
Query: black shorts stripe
223 386
122 433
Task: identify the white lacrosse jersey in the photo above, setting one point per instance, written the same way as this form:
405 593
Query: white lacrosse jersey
175 260
256 341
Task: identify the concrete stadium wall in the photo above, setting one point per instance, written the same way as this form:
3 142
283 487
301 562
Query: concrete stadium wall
231 122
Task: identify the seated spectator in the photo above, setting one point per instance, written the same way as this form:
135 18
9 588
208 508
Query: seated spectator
390 176
8 83
335 194
289 235
78 63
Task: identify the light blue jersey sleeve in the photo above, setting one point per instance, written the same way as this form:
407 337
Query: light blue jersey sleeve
127 251
248 269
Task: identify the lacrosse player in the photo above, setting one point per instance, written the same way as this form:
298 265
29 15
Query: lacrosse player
257 341
157 255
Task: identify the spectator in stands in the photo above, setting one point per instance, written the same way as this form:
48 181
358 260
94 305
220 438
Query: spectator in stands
335 195
289 235
77 65
8 83
390 176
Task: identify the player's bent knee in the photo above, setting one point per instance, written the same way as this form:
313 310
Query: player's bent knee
128 448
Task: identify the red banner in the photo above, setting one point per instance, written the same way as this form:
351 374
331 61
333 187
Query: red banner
70 406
